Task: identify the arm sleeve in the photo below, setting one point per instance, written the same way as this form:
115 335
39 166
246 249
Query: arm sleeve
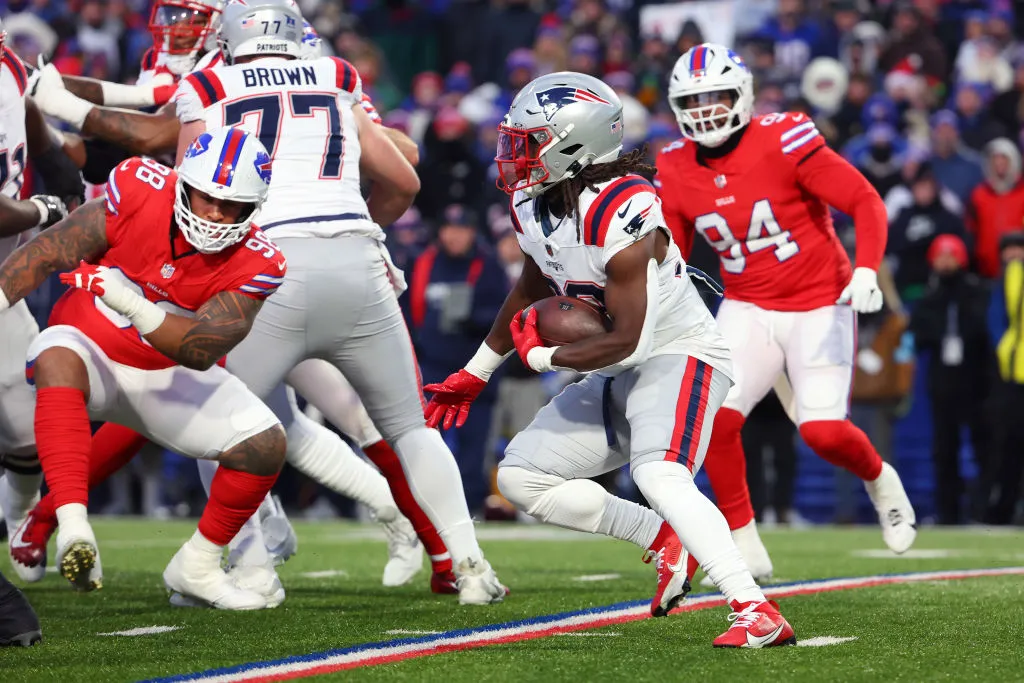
624 212
832 179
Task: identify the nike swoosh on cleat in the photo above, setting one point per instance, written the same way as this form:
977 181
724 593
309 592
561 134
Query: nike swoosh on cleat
625 210
758 641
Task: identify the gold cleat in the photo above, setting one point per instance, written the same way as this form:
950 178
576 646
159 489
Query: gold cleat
77 564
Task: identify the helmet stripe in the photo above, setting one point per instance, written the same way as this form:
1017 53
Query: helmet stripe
231 152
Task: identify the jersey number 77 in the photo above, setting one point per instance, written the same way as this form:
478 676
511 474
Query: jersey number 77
269 110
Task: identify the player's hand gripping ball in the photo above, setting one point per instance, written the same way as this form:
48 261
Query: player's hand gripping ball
563 320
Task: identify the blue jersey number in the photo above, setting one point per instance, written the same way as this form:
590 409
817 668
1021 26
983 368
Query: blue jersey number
11 167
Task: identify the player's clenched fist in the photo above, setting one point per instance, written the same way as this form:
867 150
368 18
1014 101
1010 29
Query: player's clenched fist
88 276
863 293
452 398
527 339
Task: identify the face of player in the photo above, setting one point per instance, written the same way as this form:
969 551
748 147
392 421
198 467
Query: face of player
715 108
216 210
179 29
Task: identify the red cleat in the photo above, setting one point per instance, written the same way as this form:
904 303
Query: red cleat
675 571
443 583
28 545
756 625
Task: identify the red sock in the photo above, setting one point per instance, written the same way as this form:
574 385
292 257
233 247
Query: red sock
841 443
665 532
726 466
113 446
62 440
386 460
234 498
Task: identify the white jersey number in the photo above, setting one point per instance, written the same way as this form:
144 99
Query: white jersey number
762 233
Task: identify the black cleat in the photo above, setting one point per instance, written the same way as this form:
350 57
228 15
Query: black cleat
19 625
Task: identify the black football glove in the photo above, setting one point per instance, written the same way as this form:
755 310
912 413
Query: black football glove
51 209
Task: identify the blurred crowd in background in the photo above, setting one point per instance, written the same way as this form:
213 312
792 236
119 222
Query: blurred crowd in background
925 97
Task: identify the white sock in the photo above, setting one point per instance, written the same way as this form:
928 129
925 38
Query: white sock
321 455
206 553
669 488
579 504
20 494
247 547
71 514
435 482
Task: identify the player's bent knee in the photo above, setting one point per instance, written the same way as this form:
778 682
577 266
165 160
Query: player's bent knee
58 366
261 454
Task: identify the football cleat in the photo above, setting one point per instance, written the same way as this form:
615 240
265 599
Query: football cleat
675 571
78 556
191 575
478 584
278 535
444 583
756 625
895 513
19 625
27 545
258 579
405 552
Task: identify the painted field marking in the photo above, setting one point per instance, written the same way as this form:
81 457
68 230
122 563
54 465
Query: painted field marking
588 634
324 574
822 641
597 577
371 654
407 632
912 554
142 631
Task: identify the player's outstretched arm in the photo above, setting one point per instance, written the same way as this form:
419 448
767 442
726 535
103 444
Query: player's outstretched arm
60 173
395 182
199 342
139 133
631 297
106 93
82 236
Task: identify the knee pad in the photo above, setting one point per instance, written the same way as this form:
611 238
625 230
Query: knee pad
545 495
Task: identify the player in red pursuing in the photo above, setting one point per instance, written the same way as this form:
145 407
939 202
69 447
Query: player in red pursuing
758 189
136 338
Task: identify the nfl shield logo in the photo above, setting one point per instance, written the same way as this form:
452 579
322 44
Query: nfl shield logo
549 250
720 181
166 271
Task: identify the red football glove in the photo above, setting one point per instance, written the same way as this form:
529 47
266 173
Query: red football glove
162 94
525 336
87 276
452 398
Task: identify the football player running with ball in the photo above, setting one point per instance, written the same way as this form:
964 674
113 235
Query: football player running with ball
758 189
593 229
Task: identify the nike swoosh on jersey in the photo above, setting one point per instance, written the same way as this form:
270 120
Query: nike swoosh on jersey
625 209
757 641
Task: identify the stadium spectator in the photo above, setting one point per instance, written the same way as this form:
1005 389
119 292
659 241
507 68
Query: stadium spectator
1004 478
949 325
977 127
956 166
1008 107
456 289
450 171
997 205
911 37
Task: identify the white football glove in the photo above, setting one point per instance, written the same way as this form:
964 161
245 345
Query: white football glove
46 87
110 287
862 293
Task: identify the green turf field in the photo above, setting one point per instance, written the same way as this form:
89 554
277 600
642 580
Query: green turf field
967 630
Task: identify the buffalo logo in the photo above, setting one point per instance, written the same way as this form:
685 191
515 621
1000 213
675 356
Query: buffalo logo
262 164
553 99
198 146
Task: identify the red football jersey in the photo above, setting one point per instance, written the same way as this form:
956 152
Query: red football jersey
764 206
149 250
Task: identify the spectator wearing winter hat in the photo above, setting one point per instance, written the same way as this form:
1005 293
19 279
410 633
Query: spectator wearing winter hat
450 171
950 327
550 49
956 166
912 230
880 157
977 127
911 36
997 205
585 55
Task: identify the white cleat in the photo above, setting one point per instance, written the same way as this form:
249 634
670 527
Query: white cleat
78 556
478 584
278 535
895 513
405 552
209 585
262 580
755 555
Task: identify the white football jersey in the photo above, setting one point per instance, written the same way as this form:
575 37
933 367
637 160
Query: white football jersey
302 113
573 258
13 79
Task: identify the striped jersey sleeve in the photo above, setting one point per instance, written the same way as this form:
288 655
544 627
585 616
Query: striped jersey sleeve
798 137
262 285
625 211
346 78
17 69
196 92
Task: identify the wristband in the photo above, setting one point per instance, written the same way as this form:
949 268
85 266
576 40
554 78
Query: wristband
118 95
146 316
4 303
485 361
539 358
65 106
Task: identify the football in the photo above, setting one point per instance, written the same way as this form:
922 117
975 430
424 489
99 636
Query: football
564 320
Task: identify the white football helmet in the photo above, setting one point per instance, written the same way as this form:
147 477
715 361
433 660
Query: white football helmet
181 29
557 125
260 27
226 163
697 79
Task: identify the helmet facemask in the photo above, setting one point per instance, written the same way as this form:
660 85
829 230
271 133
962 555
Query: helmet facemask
710 118
519 158
207 236
180 30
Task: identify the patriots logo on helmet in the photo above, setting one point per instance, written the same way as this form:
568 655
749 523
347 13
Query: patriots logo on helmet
553 99
262 164
198 146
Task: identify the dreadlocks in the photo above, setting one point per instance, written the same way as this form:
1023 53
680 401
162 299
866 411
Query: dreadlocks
566 196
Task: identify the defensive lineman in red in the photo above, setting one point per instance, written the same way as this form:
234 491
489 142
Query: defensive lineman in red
135 341
758 189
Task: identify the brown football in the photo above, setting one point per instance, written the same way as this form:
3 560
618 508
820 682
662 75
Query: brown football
564 320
